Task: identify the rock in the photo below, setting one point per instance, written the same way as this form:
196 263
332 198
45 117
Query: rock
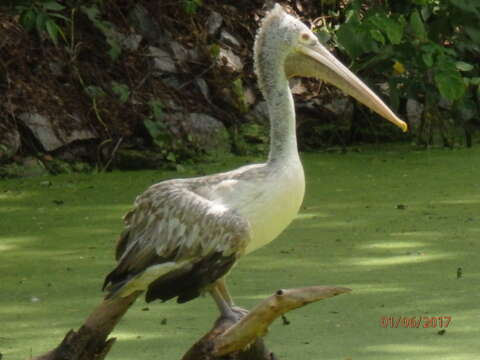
171 105
42 129
203 87
342 108
145 24
204 131
162 60
414 113
227 58
214 22
259 113
77 131
179 52
52 138
249 96
173 82
297 86
132 42
9 140
228 38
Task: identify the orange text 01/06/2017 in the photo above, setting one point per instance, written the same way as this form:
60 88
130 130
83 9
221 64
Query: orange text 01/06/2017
415 322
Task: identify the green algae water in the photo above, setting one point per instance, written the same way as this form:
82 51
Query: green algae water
401 228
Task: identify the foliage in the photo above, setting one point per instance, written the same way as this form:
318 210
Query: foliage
424 49
121 90
43 17
159 131
191 6
106 27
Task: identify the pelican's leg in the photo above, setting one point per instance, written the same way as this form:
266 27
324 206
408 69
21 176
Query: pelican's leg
222 287
222 304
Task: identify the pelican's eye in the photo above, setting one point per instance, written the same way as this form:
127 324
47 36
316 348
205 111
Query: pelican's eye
305 37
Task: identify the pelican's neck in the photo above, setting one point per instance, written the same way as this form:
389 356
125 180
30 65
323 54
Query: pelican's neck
281 109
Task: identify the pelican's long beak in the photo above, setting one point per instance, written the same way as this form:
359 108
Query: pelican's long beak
316 61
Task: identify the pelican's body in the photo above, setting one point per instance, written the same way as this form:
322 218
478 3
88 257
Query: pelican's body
184 235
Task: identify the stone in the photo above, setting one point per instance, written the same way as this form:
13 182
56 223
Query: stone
132 42
259 112
145 24
52 137
203 87
227 58
214 22
42 130
249 96
204 131
9 140
228 38
296 86
162 60
414 113
180 53
77 131
342 107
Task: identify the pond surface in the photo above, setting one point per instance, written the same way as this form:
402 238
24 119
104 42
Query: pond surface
401 228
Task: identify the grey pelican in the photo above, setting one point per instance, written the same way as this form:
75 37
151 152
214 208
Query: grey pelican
184 235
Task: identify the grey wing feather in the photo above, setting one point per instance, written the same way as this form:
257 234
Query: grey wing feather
173 230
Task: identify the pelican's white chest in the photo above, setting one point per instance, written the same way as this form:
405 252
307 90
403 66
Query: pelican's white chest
279 197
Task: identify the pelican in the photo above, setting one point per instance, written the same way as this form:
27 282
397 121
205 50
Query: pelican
184 235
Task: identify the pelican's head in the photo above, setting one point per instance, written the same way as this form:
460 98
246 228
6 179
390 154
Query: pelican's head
285 40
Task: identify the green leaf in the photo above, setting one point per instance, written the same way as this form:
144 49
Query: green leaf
417 26
121 90
157 108
115 49
392 27
450 83
421 2
40 22
152 128
52 30
171 157
469 6
427 59
473 33
92 12
475 81
377 35
28 19
60 16
94 91
352 38
463 66
52 5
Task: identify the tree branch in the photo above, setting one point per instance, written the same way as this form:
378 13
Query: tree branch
255 324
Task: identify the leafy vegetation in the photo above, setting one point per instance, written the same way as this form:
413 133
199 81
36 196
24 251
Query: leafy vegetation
425 50
419 53
43 17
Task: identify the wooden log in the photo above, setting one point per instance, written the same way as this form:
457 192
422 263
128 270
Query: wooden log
91 342
243 340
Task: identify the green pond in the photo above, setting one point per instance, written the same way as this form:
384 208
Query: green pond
401 228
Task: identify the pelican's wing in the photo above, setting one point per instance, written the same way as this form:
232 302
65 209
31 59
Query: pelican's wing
176 243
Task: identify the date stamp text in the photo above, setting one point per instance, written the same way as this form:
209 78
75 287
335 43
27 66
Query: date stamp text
415 322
